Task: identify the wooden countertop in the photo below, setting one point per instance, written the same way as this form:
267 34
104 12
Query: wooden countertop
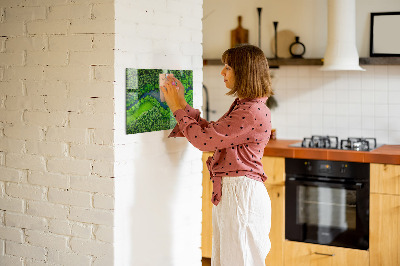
389 154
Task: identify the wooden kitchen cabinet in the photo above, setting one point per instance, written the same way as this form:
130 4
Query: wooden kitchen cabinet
305 254
206 225
274 168
385 178
384 237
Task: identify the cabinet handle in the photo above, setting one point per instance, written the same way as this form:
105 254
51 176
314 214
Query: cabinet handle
324 254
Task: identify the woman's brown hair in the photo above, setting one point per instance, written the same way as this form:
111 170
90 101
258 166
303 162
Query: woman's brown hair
250 66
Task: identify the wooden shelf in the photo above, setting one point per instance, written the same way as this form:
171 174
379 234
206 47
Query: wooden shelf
380 61
274 63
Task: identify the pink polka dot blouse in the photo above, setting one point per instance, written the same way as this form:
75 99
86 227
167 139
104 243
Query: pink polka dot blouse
238 139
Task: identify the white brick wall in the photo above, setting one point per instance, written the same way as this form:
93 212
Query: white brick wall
153 174
56 132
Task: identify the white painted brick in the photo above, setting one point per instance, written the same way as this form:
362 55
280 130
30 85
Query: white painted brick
12 145
104 233
25 103
46 88
45 27
91 247
82 230
97 105
93 184
21 43
46 148
24 73
103 11
60 227
101 136
91 26
2 192
11 59
25 191
92 151
70 166
3 44
107 259
11 88
12 29
2 158
24 13
104 73
69 197
104 169
64 134
48 179
56 103
46 118
11 233
46 58
24 132
46 2
71 42
95 216
103 41
25 250
12 117
68 258
91 89
97 57
46 209
11 260
32 262
98 120
103 202
12 204
46 240
25 161
69 12
25 221
2 222
81 73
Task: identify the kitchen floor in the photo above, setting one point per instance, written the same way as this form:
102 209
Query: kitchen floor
206 261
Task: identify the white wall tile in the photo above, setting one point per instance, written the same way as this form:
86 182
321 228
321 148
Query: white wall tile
355 96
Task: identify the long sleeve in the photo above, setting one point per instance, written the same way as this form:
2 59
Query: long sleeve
231 130
193 113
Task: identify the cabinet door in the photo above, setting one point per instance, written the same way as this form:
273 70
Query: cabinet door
206 226
385 178
277 233
304 254
384 229
274 168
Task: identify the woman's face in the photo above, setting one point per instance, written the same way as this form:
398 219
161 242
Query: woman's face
229 76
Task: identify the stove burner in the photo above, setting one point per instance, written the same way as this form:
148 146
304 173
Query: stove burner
358 144
328 142
332 142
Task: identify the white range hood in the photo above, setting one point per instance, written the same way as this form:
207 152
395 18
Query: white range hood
341 51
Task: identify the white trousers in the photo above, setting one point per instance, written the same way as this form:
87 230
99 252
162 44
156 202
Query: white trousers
241 223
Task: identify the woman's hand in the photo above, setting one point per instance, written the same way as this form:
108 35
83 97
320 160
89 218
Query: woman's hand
181 92
174 92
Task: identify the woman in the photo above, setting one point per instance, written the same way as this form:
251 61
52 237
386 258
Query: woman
242 208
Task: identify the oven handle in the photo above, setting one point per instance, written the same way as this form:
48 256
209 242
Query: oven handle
357 185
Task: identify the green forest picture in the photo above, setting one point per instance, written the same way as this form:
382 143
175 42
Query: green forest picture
146 111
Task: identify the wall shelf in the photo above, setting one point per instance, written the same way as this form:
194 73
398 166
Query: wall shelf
274 63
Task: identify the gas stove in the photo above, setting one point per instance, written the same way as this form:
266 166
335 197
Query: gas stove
332 142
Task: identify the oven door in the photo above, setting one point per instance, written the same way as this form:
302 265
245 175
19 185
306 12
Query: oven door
327 213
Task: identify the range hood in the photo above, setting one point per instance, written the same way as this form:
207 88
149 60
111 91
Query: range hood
341 51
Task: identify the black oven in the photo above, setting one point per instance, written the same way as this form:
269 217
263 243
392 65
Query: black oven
327 202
